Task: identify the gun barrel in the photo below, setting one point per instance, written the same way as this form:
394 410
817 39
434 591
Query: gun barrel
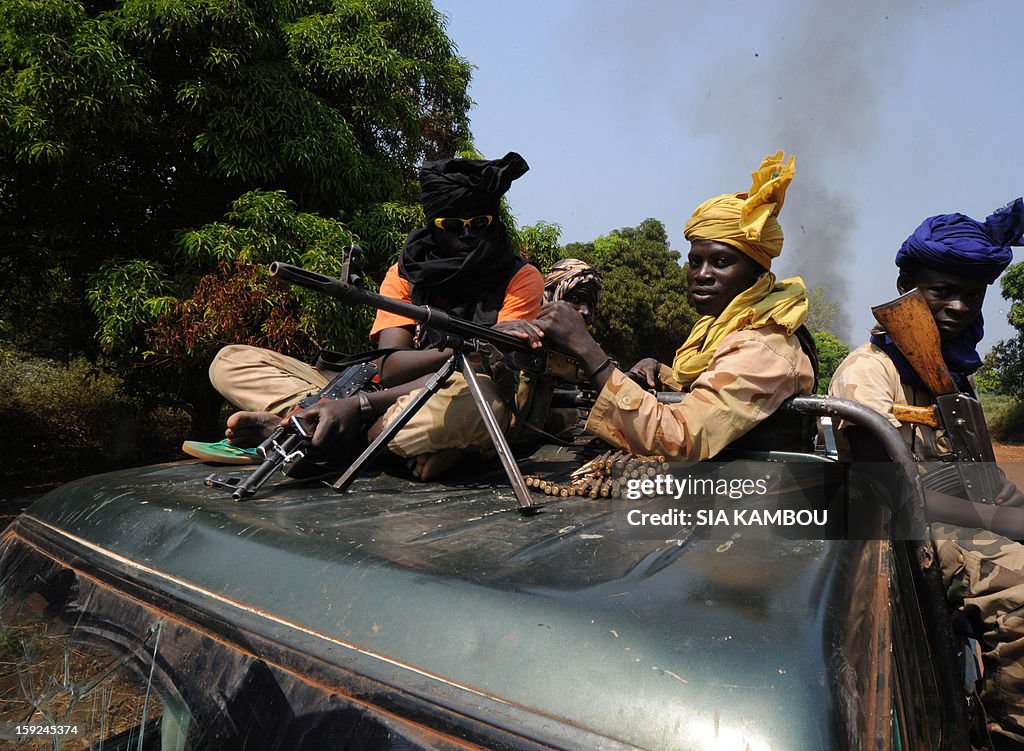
273 459
424 314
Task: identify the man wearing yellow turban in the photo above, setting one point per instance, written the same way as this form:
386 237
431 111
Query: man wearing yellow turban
745 355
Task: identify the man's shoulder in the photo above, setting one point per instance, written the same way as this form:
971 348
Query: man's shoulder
869 376
771 337
523 295
765 350
394 286
528 274
868 357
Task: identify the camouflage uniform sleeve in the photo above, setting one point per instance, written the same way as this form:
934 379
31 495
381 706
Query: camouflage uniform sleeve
867 376
668 381
751 374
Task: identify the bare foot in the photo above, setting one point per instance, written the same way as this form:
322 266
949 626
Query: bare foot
429 466
249 429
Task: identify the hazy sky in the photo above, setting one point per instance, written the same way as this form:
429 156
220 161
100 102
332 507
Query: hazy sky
895 111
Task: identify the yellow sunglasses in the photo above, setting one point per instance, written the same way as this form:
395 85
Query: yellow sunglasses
454 224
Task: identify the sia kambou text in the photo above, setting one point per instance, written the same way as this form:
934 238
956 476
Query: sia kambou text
711 487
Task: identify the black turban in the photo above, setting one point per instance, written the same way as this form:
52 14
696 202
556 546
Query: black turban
453 186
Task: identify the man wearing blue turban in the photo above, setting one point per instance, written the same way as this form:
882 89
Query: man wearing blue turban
952 259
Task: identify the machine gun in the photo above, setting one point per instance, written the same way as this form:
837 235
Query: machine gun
454 332
464 337
909 323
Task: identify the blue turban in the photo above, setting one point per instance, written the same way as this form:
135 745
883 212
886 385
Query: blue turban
957 244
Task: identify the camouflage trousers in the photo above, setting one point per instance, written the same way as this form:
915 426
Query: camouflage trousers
984 575
260 380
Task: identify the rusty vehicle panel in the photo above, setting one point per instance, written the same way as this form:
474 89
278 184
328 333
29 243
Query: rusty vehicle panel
434 616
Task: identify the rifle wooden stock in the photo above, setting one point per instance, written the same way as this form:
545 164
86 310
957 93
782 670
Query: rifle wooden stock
919 415
909 323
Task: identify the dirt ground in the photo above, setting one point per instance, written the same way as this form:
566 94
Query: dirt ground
1011 459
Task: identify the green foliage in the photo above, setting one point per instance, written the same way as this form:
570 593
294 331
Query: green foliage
644 310
128 297
607 246
539 243
1012 284
831 352
265 227
175 145
41 399
383 228
37 385
124 123
65 74
988 379
821 310
166 340
1008 356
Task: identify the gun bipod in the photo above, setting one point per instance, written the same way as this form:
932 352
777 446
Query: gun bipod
457 362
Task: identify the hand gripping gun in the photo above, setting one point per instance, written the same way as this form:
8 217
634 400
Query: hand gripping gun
285 449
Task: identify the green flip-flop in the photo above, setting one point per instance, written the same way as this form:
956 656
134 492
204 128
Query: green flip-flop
220 452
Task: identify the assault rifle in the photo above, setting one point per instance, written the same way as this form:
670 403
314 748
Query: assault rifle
909 323
464 338
285 449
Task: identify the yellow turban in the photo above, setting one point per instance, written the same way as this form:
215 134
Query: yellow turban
746 221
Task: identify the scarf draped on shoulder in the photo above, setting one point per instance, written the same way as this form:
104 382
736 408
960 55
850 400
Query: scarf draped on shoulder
765 302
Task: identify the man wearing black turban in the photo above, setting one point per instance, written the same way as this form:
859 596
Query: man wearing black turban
466 269
462 262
